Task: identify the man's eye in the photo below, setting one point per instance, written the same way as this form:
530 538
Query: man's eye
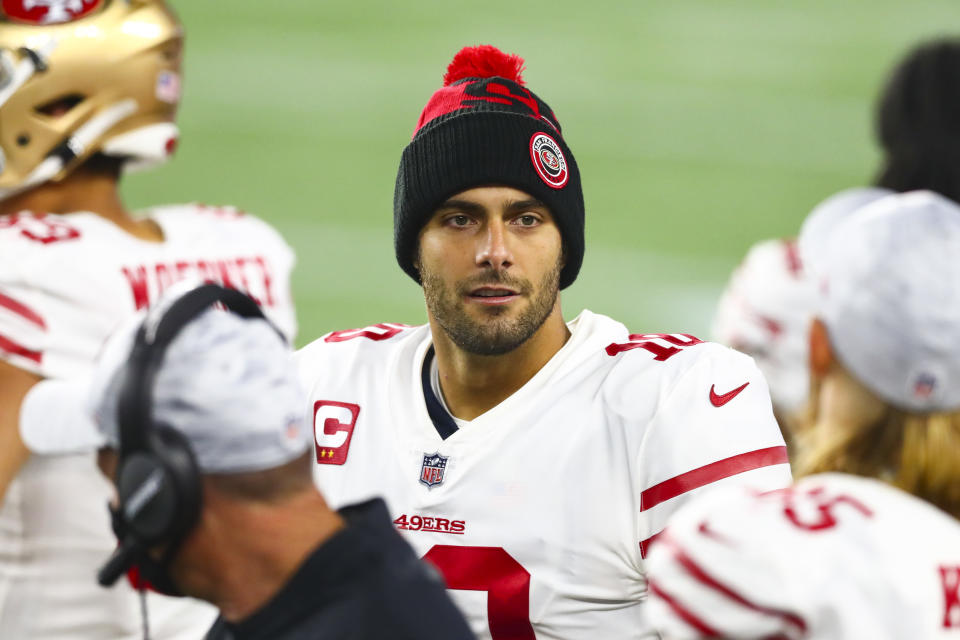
459 221
527 220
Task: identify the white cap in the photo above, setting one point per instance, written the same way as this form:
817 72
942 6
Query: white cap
890 299
227 383
765 312
817 228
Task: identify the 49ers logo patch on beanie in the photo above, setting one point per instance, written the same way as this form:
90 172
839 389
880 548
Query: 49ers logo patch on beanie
548 160
484 127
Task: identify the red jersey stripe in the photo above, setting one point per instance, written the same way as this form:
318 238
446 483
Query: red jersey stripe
701 576
712 472
682 612
22 310
645 544
13 348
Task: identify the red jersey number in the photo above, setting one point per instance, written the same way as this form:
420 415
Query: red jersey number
815 510
377 332
950 580
42 228
495 571
662 345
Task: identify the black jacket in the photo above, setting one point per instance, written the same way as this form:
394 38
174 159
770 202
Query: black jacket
365 582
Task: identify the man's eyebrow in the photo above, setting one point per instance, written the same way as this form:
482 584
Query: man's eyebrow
462 205
530 203
474 208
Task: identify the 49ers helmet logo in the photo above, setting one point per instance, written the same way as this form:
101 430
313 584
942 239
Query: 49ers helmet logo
48 11
548 160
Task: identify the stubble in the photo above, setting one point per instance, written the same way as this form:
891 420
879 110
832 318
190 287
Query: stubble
495 332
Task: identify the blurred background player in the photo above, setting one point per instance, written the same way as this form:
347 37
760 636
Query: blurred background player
201 414
762 312
89 90
530 459
766 307
874 550
917 122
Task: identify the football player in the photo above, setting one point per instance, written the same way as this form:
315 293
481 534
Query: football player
762 313
89 90
766 308
916 122
530 459
868 544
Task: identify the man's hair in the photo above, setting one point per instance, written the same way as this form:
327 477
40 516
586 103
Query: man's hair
917 121
268 485
915 452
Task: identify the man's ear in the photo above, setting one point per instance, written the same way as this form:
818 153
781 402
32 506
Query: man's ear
821 353
416 253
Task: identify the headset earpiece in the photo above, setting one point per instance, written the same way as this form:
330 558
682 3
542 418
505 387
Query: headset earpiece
148 498
159 489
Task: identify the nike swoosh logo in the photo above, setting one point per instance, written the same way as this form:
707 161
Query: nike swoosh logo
722 399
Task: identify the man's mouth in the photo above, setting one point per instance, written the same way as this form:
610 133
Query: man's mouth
493 295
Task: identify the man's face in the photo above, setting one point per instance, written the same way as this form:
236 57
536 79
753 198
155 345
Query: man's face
490 261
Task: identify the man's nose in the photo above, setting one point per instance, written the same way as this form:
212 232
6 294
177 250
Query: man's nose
493 250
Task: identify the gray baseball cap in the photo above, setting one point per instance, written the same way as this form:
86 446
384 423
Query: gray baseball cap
227 383
889 294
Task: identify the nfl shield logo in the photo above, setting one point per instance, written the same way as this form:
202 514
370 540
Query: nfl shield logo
431 474
924 385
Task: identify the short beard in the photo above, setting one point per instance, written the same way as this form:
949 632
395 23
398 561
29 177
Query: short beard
499 335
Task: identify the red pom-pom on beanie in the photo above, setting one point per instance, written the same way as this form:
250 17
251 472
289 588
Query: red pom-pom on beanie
484 61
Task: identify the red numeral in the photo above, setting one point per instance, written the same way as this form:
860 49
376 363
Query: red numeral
950 579
333 424
653 342
39 228
825 516
493 570
382 331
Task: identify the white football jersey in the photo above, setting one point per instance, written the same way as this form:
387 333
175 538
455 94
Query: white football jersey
66 282
539 511
836 557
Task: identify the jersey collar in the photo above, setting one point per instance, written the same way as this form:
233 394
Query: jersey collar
442 420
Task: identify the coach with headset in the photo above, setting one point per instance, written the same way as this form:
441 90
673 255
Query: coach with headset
203 434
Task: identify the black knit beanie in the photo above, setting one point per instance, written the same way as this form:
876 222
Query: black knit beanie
483 127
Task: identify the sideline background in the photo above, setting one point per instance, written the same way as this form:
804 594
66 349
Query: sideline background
699 126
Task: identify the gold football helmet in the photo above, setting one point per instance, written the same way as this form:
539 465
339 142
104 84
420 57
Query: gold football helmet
84 76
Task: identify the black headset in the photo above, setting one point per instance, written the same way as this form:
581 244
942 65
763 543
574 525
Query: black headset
157 477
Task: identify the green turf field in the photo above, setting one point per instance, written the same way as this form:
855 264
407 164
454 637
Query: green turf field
699 127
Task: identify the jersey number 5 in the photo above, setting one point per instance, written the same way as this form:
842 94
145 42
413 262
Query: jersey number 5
493 570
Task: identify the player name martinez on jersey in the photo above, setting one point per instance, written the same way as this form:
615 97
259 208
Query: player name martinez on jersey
539 512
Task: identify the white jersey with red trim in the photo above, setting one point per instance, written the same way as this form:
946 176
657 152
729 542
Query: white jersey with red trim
66 282
835 557
537 512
